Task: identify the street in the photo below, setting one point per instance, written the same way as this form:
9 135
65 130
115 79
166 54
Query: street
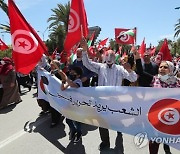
24 132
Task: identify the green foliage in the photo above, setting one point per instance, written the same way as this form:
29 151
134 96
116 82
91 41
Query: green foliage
6 53
4 6
114 46
58 27
177 28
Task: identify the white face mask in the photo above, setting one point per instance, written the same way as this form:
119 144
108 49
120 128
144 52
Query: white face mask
110 59
164 78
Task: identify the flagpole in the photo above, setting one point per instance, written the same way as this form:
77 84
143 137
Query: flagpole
135 28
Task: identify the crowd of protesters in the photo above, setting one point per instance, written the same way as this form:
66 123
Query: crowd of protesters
104 68
131 69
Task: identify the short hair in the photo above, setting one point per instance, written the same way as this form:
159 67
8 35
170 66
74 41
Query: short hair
78 70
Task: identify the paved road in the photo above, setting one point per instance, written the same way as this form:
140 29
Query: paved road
22 131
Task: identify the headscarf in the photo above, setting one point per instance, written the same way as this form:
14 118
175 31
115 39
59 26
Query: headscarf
169 78
6 66
171 67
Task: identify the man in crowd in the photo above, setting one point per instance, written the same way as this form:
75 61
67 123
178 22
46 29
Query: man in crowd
109 74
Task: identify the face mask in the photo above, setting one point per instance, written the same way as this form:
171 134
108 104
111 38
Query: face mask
72 77
164 77
110 59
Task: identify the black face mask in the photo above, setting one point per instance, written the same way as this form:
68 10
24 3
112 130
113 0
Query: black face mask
72 77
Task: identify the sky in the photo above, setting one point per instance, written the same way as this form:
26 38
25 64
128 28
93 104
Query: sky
154 19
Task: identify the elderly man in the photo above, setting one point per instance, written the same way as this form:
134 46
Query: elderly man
109 74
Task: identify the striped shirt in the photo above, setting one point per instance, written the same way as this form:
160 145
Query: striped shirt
108 76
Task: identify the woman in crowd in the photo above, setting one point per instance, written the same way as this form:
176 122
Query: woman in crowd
9 83
164 79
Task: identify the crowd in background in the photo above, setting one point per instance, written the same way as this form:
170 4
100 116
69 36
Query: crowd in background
97 66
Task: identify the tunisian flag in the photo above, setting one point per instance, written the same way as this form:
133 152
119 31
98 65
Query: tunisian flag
27 45
125 36
3 46
77 26
164 53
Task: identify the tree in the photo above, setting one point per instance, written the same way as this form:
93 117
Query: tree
177 28
60 16
4 7
57 37
58 26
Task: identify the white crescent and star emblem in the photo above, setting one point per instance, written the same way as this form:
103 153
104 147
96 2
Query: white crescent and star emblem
74 21
24 42
169 116
123 37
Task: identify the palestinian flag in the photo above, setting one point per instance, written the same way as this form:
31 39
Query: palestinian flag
91 39
130 32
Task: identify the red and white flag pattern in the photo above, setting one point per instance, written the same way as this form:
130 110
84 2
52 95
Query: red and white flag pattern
122 38
28 48
77 26
3 46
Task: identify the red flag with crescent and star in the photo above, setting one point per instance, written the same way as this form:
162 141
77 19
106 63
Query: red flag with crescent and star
27 45
122 37
3 46
77 26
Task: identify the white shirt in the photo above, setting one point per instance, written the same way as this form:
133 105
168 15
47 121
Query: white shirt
108 76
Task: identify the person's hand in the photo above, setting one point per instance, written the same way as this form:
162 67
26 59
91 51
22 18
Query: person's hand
136 55
83 44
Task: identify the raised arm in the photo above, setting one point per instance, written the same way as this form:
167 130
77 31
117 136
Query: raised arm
89 64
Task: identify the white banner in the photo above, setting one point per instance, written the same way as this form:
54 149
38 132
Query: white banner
151 112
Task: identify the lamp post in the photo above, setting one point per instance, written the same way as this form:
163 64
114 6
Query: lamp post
43 33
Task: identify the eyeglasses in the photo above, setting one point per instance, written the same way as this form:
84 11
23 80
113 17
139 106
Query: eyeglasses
165 67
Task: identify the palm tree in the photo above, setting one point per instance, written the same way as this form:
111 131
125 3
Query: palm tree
57 37
4 7
60 16
59 25
177 29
